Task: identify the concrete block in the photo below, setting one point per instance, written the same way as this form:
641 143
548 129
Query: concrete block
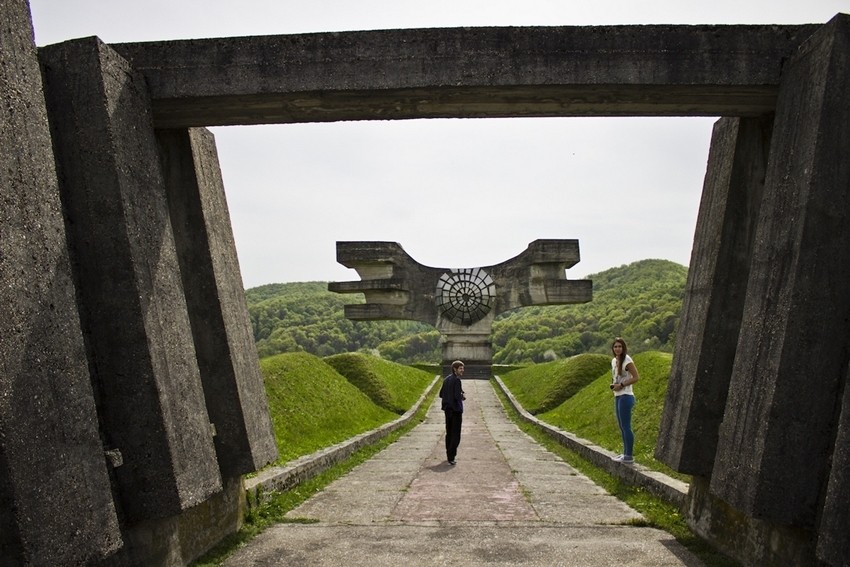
467 72
714 295
55 497
218 312
833 547
133 309
780 420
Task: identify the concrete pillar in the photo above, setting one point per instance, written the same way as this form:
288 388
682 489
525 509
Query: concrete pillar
833 546
780 420
714 295
55 497
224 343
133 308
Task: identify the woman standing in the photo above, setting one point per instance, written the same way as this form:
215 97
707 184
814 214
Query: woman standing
624 374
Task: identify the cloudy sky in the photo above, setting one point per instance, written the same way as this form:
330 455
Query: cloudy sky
454 193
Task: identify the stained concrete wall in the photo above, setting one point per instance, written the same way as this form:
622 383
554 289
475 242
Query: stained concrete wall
218 310
770 489
109 365
55 497
780 420
133 311
707 337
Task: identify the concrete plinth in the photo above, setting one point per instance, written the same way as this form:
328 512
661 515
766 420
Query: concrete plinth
55 499
707 336
134 314
227 356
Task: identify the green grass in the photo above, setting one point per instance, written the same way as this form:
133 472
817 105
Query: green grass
273 511
542 387
389 385
659 514
312 406
590 412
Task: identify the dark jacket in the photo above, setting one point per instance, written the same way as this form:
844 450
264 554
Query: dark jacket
452 393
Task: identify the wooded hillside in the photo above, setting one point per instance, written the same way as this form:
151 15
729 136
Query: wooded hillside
640 302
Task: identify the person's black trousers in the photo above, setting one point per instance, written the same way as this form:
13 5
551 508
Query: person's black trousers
454 419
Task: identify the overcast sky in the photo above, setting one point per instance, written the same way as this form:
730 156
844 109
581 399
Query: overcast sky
455 193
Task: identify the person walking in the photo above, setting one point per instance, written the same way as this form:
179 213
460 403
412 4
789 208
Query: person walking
453 395
624 374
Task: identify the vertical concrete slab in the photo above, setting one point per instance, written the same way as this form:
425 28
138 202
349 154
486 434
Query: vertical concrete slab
781 415
714 295
133 310
224 343
55 497
833 546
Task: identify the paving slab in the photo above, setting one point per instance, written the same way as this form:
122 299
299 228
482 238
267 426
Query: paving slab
507 501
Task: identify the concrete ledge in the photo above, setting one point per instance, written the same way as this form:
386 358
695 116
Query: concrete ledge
666 488
277 479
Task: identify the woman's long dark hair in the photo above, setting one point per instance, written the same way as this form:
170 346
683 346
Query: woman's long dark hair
622 355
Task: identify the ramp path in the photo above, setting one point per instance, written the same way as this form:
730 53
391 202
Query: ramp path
507 501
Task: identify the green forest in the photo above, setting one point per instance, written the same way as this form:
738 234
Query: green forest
640 302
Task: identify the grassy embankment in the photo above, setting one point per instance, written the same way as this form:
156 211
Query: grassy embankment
316 403
573 394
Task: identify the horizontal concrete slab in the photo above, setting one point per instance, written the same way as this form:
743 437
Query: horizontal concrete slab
657 70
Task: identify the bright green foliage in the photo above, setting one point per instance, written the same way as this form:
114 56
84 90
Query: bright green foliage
312 406
306 317
542 387
389 385
640 302
590 413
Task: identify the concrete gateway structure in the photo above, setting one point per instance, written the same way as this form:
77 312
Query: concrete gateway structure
130 398
460 303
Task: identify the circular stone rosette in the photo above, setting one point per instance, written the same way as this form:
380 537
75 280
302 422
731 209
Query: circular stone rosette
465 296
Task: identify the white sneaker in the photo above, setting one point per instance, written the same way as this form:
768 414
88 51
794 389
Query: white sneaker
624 459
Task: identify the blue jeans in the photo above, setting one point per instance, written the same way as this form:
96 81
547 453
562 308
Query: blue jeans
623 409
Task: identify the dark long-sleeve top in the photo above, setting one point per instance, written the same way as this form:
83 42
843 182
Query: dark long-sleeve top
452 393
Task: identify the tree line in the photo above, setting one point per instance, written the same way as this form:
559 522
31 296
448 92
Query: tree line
640 302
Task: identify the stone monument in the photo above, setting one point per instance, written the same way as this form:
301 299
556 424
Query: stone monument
460 303
126 346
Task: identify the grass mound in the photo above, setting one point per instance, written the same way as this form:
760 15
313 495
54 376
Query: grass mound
543 387
590 413
312 406
392 386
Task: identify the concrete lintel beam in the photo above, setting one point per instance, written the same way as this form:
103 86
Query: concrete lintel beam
659 70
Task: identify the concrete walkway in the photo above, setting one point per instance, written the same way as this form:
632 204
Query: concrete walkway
508 501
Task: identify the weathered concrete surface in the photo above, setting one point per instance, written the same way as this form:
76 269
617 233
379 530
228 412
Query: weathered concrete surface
833 544
781 417
653 70
227 356
508 501
48 422
461 303
134 314
707 336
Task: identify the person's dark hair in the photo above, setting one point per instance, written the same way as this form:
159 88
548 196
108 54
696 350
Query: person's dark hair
456 364
622 355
